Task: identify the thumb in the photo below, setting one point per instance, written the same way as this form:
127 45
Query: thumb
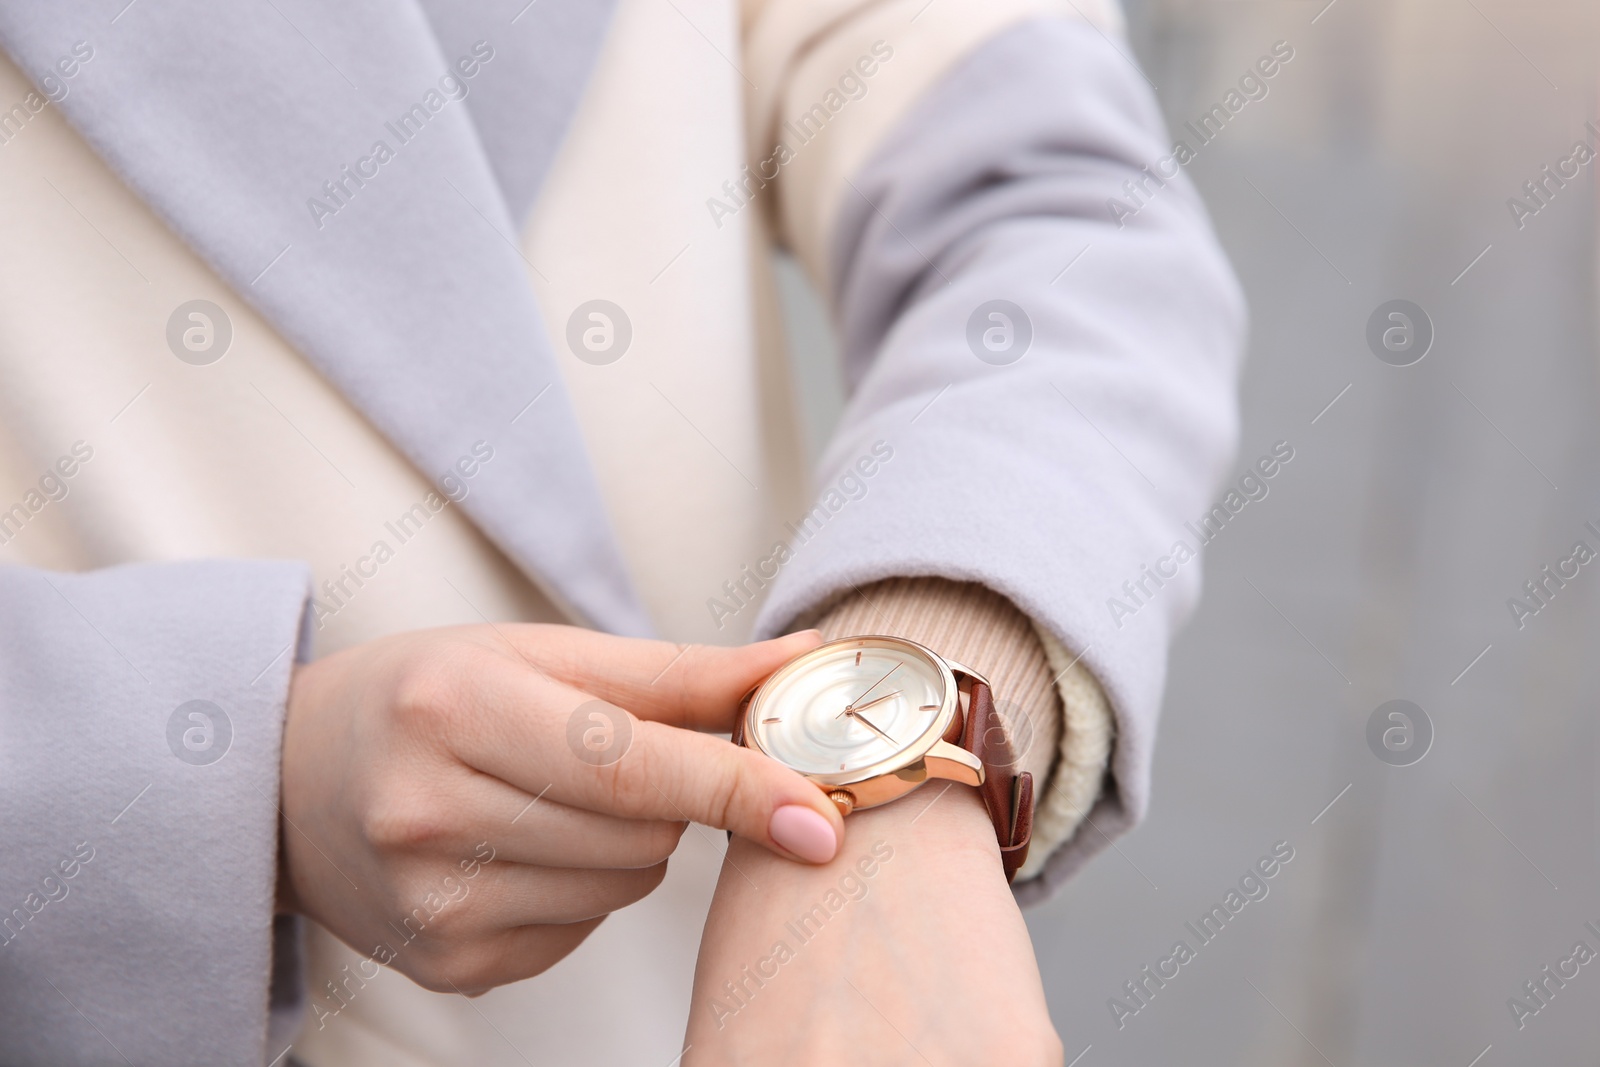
684 775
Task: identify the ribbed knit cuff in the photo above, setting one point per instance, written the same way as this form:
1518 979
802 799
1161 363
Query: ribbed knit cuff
1059 720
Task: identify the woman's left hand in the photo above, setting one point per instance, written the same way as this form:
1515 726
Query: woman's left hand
907 948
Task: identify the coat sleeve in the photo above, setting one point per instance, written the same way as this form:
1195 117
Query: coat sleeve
141 714
1042 380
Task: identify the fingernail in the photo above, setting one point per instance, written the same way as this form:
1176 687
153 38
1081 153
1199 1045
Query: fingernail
804 832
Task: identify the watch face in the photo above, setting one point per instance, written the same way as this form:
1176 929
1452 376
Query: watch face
853 708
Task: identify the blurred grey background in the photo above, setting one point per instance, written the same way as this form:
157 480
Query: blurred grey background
1378 167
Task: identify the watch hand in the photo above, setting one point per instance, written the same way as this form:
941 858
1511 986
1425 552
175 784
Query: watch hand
874 700
863 720
852 705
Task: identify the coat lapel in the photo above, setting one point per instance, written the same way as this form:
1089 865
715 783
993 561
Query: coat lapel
525 97
324 160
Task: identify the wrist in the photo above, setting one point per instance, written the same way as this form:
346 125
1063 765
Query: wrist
939 819
939 831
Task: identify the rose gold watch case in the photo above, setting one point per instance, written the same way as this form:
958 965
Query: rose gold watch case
930 756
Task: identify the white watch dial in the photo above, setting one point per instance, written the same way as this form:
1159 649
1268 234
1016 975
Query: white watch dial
847 706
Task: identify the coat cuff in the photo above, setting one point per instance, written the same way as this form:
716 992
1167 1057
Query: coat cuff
142 714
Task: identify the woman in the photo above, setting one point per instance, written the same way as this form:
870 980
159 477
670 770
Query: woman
351 326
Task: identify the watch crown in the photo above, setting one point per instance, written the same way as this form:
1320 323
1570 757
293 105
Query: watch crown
843 799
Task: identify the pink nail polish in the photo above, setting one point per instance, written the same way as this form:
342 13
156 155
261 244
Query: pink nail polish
804 832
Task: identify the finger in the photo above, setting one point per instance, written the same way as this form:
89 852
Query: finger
466 812
644 770
517 894
507 956
696 686
544 832
669 773
530 950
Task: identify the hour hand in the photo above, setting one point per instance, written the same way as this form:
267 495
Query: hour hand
870 703
862 719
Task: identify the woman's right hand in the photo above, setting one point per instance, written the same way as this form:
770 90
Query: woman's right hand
475 800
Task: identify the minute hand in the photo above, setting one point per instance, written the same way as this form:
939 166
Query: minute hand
874 685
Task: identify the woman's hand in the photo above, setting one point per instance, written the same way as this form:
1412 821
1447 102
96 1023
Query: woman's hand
467 804
906 949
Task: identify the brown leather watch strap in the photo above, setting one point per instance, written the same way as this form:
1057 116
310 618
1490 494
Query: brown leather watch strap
1007 794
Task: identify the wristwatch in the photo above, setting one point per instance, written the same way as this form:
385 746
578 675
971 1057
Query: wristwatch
870 719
